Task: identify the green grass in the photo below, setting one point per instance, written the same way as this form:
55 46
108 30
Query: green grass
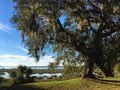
6 83
72 84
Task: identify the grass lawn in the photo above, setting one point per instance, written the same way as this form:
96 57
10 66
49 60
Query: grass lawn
72 84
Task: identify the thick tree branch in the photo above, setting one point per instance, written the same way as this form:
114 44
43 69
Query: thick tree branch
80 47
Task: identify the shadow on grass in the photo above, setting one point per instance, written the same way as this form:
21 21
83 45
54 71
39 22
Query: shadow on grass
21 87
24 87
112 82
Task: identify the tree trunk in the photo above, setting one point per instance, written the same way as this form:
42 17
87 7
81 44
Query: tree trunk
88 70
108 71
93 55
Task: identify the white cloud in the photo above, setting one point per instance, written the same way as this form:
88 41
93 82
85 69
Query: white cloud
22 48
15 60
5 27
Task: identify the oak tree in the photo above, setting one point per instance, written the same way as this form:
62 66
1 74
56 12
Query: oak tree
69 28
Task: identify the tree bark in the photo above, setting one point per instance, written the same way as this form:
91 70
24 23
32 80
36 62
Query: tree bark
107 71
93 55
88 70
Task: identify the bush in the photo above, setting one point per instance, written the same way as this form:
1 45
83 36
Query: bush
70 72
1 79
53 77
22 75
13 74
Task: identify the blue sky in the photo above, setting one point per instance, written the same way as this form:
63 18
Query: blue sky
12 51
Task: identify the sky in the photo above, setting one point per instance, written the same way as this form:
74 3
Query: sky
12 50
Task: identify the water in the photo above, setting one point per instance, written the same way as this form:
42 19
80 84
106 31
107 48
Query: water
8 67
46 75
5 75
32 67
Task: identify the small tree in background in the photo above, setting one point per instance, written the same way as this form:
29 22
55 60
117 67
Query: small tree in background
22 74
52 67
21 71
1 79
13 75
28 72
71 72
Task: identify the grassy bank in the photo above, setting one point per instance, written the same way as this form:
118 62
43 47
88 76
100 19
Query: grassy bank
72 84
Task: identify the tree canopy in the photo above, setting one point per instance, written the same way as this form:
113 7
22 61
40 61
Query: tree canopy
71 29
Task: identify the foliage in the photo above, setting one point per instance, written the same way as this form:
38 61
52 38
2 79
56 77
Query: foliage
72 69
71 29
21 71
21 75
51 67
70 72
13 74
117 67
1 79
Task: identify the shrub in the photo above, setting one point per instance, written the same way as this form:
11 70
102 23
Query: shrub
1 79
22 75
13 75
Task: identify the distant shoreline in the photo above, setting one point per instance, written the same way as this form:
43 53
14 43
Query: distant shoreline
32 67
